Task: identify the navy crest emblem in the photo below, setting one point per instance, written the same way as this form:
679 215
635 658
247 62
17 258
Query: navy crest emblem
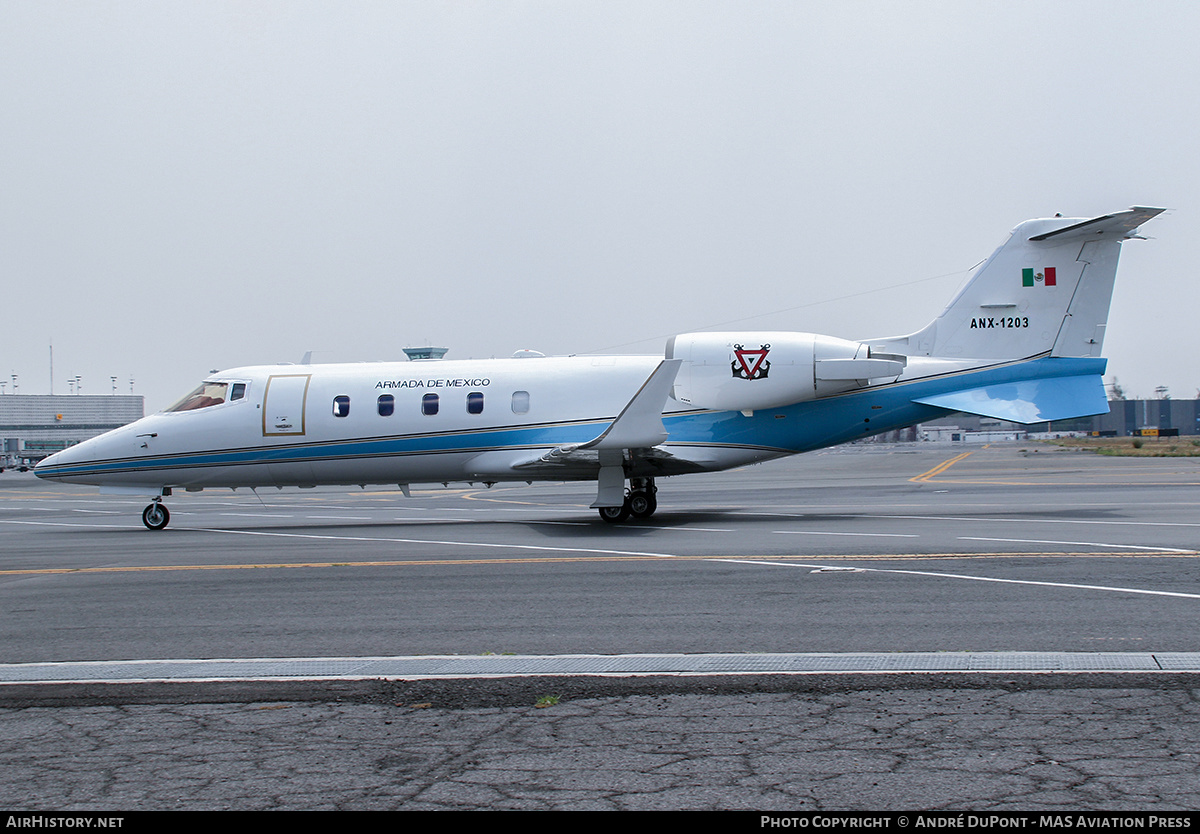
750 364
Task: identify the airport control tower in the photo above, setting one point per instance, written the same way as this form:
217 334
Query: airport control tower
415 353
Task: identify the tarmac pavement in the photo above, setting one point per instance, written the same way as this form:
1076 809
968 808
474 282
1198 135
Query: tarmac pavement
873 558
766 743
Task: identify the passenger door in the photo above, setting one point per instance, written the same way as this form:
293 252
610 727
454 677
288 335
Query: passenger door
283 405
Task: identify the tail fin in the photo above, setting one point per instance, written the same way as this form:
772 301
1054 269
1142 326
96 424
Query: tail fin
1046 290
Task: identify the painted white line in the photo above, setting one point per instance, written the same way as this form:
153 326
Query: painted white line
342 517
434 520
697 529
257 515
433 541
667 529
778 515
873 535
1026 520
68 524
1082 544
977 578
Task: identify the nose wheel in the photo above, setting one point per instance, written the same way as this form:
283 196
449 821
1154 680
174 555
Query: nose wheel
155 516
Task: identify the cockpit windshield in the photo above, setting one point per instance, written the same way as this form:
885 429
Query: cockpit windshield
208 394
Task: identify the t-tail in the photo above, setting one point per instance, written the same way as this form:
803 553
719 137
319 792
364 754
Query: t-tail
1045 292
1043 296
1019 341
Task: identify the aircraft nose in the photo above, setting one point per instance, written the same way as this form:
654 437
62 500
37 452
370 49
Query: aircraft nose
44 467
50 468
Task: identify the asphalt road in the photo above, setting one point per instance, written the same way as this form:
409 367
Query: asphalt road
1001 550
863 549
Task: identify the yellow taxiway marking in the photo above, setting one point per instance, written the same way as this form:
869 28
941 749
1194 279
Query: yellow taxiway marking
999 479
480 495
940 468
984 481
593 558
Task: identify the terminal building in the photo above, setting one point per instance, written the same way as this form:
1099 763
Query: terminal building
1127 416
34 426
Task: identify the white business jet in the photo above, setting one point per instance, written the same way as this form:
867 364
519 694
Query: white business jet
1020 341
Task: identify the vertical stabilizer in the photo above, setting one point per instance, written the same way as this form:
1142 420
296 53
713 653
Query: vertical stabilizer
1046 290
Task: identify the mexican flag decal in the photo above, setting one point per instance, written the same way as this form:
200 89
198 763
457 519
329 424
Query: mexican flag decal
1048 277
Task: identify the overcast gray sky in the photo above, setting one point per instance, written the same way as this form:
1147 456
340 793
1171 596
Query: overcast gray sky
195 185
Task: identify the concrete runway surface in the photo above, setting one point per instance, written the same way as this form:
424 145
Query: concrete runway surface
1008 548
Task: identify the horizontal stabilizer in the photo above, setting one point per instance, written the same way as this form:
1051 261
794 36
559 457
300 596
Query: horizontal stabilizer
1119 224
1029 401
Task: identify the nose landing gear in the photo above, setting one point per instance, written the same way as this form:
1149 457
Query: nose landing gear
156 516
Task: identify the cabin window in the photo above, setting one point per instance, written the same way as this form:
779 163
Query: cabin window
429 404
239 391
209 393
475 402
520 402
387 405
341 406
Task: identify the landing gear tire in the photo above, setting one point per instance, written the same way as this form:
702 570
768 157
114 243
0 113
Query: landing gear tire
155 516
641 504
614 515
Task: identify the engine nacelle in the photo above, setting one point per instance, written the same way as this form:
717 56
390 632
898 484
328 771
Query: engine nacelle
748 371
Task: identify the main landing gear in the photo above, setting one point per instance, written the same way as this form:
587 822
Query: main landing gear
640 502
156 515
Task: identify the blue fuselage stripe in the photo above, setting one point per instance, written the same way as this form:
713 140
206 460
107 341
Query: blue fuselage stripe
795 428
